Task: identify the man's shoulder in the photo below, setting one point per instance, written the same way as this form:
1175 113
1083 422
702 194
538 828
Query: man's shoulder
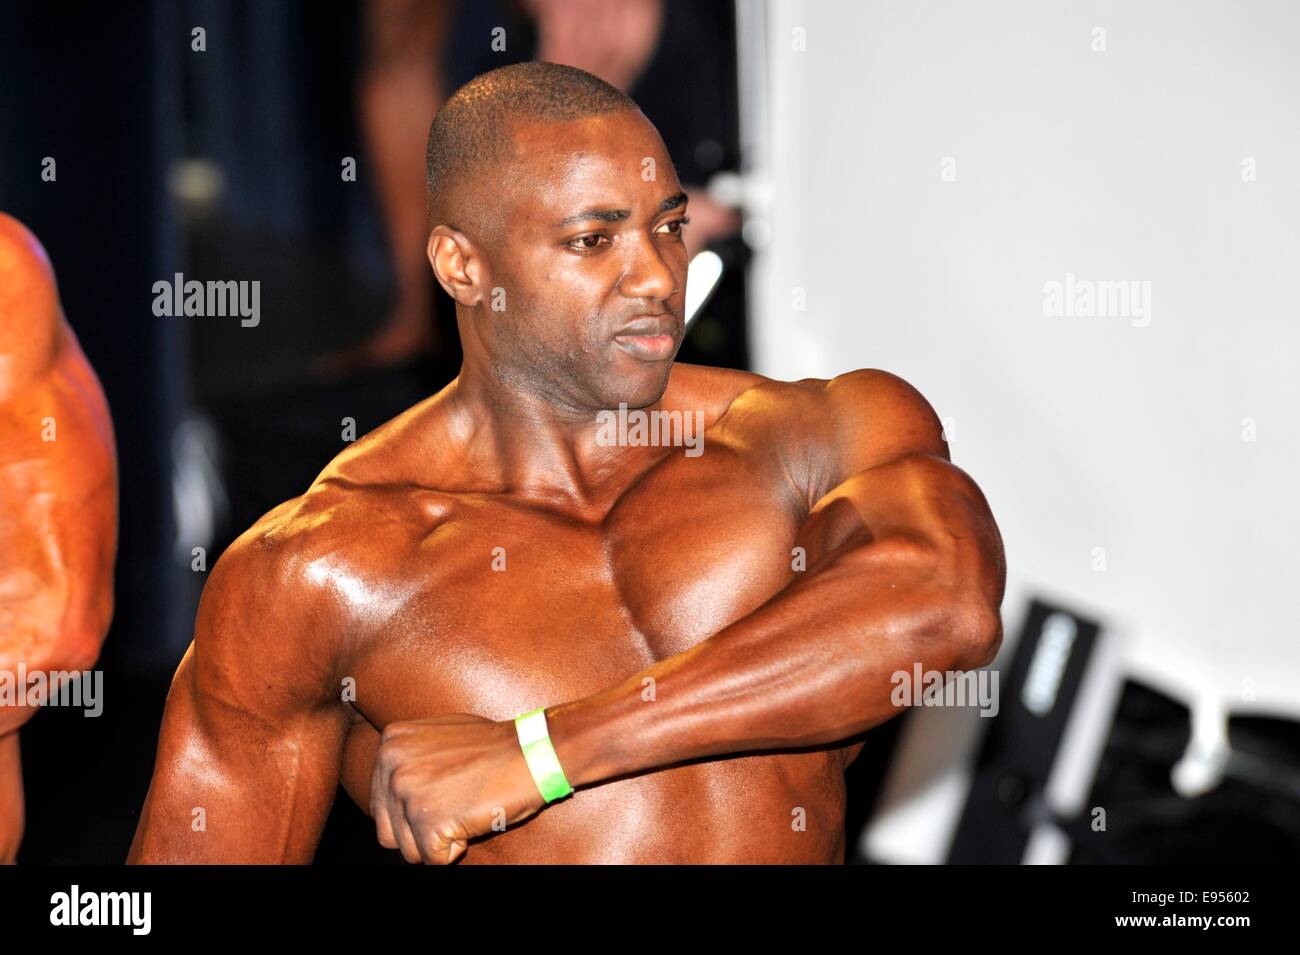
868 418
306 541
357 513
286 597
29 306
823 408
271 607
827 428
883 415
732 396
876 396
267 564
710 384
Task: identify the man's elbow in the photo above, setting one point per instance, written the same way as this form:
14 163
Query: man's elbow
977 636
967 616
972 574
962 618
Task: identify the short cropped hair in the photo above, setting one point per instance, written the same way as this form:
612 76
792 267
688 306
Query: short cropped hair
474 128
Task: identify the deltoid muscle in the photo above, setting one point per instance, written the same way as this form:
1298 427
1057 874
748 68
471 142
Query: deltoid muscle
58 504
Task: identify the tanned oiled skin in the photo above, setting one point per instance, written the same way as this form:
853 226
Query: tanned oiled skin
58 498
704 687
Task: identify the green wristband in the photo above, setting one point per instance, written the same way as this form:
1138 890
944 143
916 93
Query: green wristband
535 740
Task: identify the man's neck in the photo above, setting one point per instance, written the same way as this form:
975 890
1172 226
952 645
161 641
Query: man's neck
537 445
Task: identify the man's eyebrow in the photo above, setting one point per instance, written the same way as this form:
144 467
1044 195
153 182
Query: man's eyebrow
614 215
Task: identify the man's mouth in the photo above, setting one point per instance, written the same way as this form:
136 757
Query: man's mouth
646 347
652 338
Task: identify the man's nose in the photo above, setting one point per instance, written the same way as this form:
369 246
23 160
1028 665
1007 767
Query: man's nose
649 272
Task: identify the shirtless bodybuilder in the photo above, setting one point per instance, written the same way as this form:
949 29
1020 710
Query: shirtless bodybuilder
58 500
707 632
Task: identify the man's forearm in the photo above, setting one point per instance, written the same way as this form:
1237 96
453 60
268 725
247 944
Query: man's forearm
811 666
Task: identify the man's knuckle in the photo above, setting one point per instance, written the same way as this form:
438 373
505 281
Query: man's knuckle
393 732
401 781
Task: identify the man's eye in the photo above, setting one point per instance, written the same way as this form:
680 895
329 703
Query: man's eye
684 220
585 243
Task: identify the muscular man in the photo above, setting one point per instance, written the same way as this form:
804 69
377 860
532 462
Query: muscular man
58 500
707 632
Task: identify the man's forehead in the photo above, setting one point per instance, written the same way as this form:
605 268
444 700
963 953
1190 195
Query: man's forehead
609 130
598 146
611 160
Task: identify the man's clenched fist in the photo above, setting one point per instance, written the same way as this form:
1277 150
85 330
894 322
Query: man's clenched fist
442 781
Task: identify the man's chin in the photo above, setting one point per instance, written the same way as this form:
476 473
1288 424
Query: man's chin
641 393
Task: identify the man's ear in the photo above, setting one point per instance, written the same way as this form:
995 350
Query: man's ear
456 265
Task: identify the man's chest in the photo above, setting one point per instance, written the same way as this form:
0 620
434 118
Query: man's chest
511 606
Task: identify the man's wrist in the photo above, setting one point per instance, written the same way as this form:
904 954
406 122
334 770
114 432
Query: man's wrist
539 754
585 734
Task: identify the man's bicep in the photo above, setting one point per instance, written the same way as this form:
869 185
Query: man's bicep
250 749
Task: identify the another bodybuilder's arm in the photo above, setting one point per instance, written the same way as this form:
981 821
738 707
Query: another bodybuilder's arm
252 736
58 482
905 566
58 499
